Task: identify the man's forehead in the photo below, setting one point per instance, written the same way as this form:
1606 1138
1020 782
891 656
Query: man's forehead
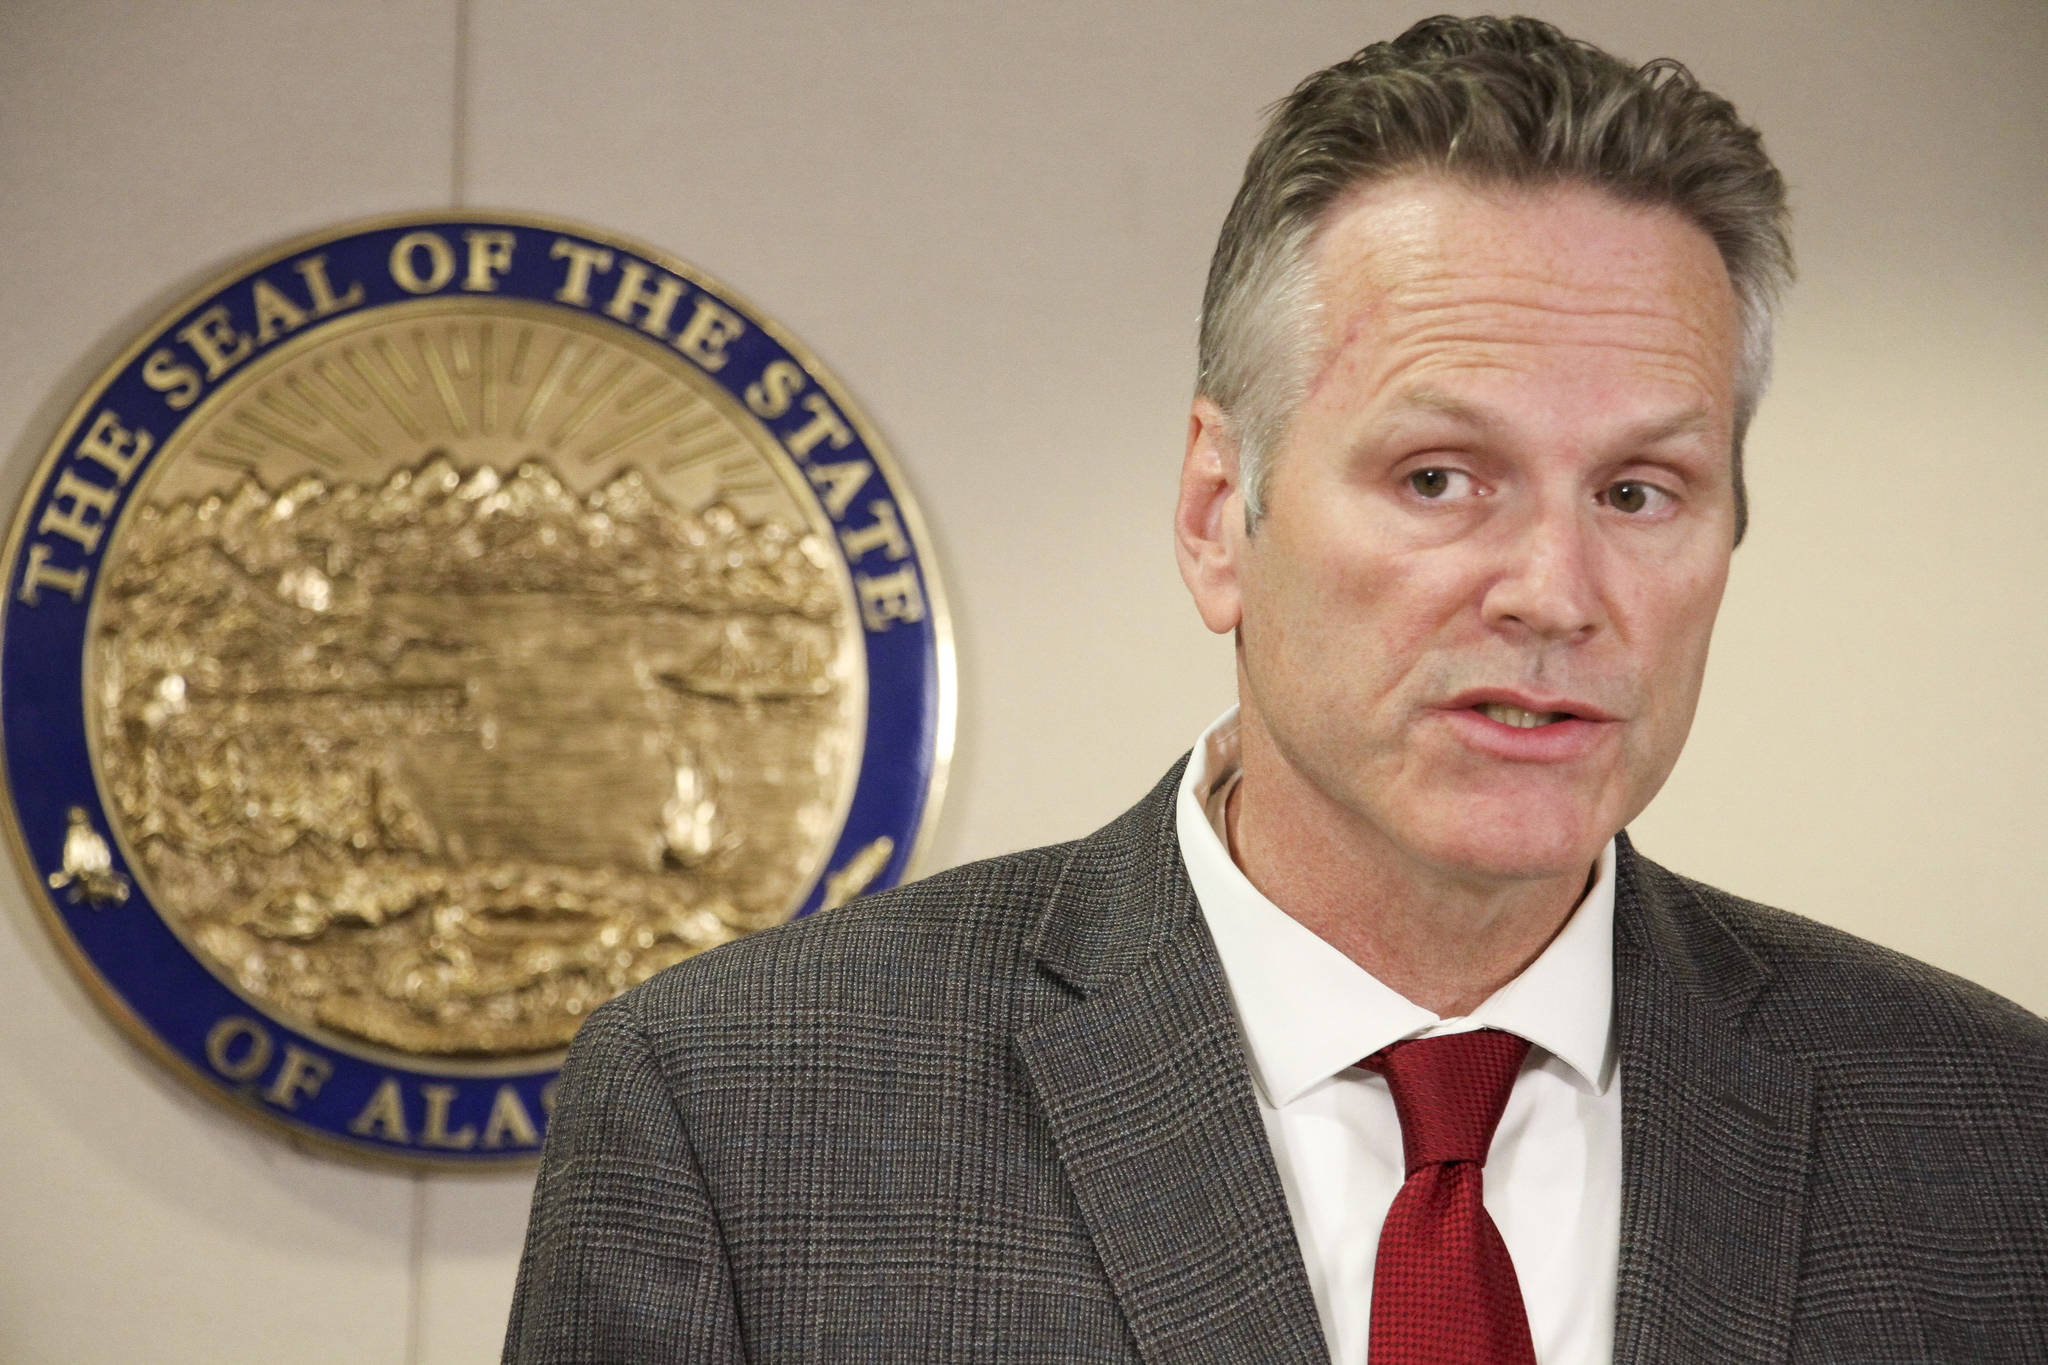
1414 234
1426 270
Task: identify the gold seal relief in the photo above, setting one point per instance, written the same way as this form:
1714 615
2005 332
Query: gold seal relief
464 662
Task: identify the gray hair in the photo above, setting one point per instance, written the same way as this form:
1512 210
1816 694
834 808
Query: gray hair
1488 102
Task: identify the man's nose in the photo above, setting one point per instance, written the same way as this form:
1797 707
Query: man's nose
1548 582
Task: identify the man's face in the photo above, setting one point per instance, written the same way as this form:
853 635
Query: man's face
1474 618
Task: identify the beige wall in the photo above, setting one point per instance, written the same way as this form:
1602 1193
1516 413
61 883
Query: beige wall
992 220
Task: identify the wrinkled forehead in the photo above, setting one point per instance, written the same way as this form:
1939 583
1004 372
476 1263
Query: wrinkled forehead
1430 261
1415 235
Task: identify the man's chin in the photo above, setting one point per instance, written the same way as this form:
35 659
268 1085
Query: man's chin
1516 855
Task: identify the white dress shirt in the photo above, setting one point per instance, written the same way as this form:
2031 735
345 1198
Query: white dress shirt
1310 1014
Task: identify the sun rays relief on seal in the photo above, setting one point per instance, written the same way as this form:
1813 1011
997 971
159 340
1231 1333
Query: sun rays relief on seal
464 620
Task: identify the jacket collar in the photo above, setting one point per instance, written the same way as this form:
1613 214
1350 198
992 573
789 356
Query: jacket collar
1122 895
1716 1135
1142 1080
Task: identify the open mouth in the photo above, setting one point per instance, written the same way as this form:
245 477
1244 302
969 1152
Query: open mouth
1517 717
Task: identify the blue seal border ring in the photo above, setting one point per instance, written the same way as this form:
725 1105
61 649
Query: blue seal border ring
398 1109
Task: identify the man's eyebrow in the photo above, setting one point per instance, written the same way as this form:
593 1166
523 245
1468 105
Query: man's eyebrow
1437 403
1691 422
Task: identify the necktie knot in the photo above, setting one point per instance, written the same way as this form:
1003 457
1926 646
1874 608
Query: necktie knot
1450 1091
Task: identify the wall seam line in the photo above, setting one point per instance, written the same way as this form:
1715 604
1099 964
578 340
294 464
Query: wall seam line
415 1307
458 159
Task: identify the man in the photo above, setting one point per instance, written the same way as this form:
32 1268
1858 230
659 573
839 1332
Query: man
1366 1033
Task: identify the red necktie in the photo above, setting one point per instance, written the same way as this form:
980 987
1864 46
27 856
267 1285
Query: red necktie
1443 1290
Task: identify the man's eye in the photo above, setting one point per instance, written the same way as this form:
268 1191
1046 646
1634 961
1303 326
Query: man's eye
1440 483
1634 498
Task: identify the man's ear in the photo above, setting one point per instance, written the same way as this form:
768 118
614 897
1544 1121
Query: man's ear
1208 521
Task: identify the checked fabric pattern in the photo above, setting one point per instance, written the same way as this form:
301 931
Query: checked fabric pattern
1444 1291
1002 1117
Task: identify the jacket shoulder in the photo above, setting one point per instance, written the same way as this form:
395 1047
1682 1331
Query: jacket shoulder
905 951
1827 989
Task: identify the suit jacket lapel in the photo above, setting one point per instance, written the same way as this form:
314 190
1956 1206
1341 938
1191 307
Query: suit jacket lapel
1716 1135
1142 1079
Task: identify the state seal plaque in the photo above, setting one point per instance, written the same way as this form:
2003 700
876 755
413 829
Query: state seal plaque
429 630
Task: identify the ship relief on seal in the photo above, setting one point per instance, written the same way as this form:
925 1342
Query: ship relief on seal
435 627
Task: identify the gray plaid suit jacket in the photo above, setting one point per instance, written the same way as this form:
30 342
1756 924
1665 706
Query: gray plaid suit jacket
1003 1114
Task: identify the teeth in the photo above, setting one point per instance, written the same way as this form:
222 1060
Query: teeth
1516 716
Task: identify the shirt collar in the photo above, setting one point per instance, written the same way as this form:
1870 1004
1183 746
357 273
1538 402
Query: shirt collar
1308 1012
